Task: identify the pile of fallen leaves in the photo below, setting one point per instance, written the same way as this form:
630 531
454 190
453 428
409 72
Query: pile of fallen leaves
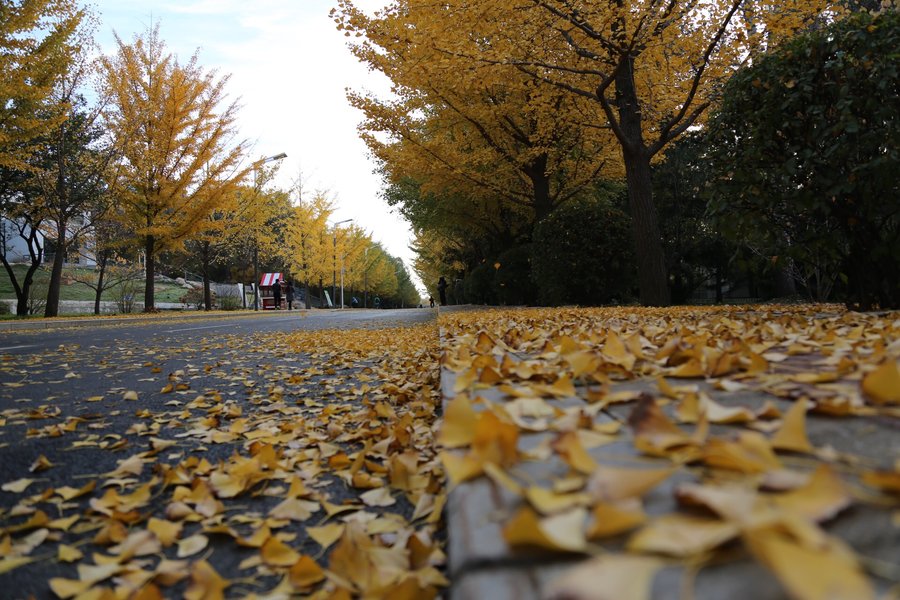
710 405
306 466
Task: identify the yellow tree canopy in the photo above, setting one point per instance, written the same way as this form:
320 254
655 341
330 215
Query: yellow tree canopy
463 128
308 246
37 43
648 69
176 136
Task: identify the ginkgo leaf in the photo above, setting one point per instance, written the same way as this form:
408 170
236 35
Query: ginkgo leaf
378 497
458 428
278 554
792 435
561 532
609 577
18 486
549 502
682 535
568 446
882 385
810 573
305 572
326 535
206 583
166 531
821 498
614 519
192 545
66 553
609 484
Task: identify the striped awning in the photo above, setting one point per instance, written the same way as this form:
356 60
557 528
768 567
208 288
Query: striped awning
268 279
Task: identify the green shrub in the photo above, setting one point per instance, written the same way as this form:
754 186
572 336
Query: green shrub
512 277
582 254
479 286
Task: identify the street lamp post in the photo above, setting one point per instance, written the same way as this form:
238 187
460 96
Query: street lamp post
334 264
279 156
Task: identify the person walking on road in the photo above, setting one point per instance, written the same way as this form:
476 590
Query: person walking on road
431 301
442 290
289 295
276 290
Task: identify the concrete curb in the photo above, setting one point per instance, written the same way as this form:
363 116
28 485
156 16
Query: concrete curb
482 565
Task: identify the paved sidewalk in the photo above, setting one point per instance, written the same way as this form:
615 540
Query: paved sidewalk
483 565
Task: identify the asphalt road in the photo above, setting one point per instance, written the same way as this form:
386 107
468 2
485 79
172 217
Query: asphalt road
64 398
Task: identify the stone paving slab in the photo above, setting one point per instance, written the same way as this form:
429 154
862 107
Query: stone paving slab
482 565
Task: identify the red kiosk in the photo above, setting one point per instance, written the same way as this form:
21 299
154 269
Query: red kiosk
267 290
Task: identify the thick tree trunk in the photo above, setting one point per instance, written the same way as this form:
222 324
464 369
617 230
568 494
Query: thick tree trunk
150 278
52 308
651 260
648 249
540 183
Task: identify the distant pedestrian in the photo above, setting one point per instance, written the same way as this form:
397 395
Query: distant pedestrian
442 290
276 290
431 301
289 295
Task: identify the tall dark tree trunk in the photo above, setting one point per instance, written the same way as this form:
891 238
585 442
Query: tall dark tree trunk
651 259
99 291
207 292
52 308
540 183
150 278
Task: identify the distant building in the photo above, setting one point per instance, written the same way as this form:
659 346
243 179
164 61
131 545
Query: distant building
15 248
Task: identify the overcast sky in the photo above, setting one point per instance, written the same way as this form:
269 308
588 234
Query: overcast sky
289 68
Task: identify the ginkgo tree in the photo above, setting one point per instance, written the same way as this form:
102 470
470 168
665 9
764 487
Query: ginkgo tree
469 130
177 141
306 248
38 42
649 69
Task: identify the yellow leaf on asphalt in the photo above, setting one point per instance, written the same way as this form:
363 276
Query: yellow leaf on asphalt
305 572
608 577
792 435
166 531
68 554
561 532
294 509
130 395
276 553
882 385
63 524
206 583
8 563
18 486
378 497
326 535
192 545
